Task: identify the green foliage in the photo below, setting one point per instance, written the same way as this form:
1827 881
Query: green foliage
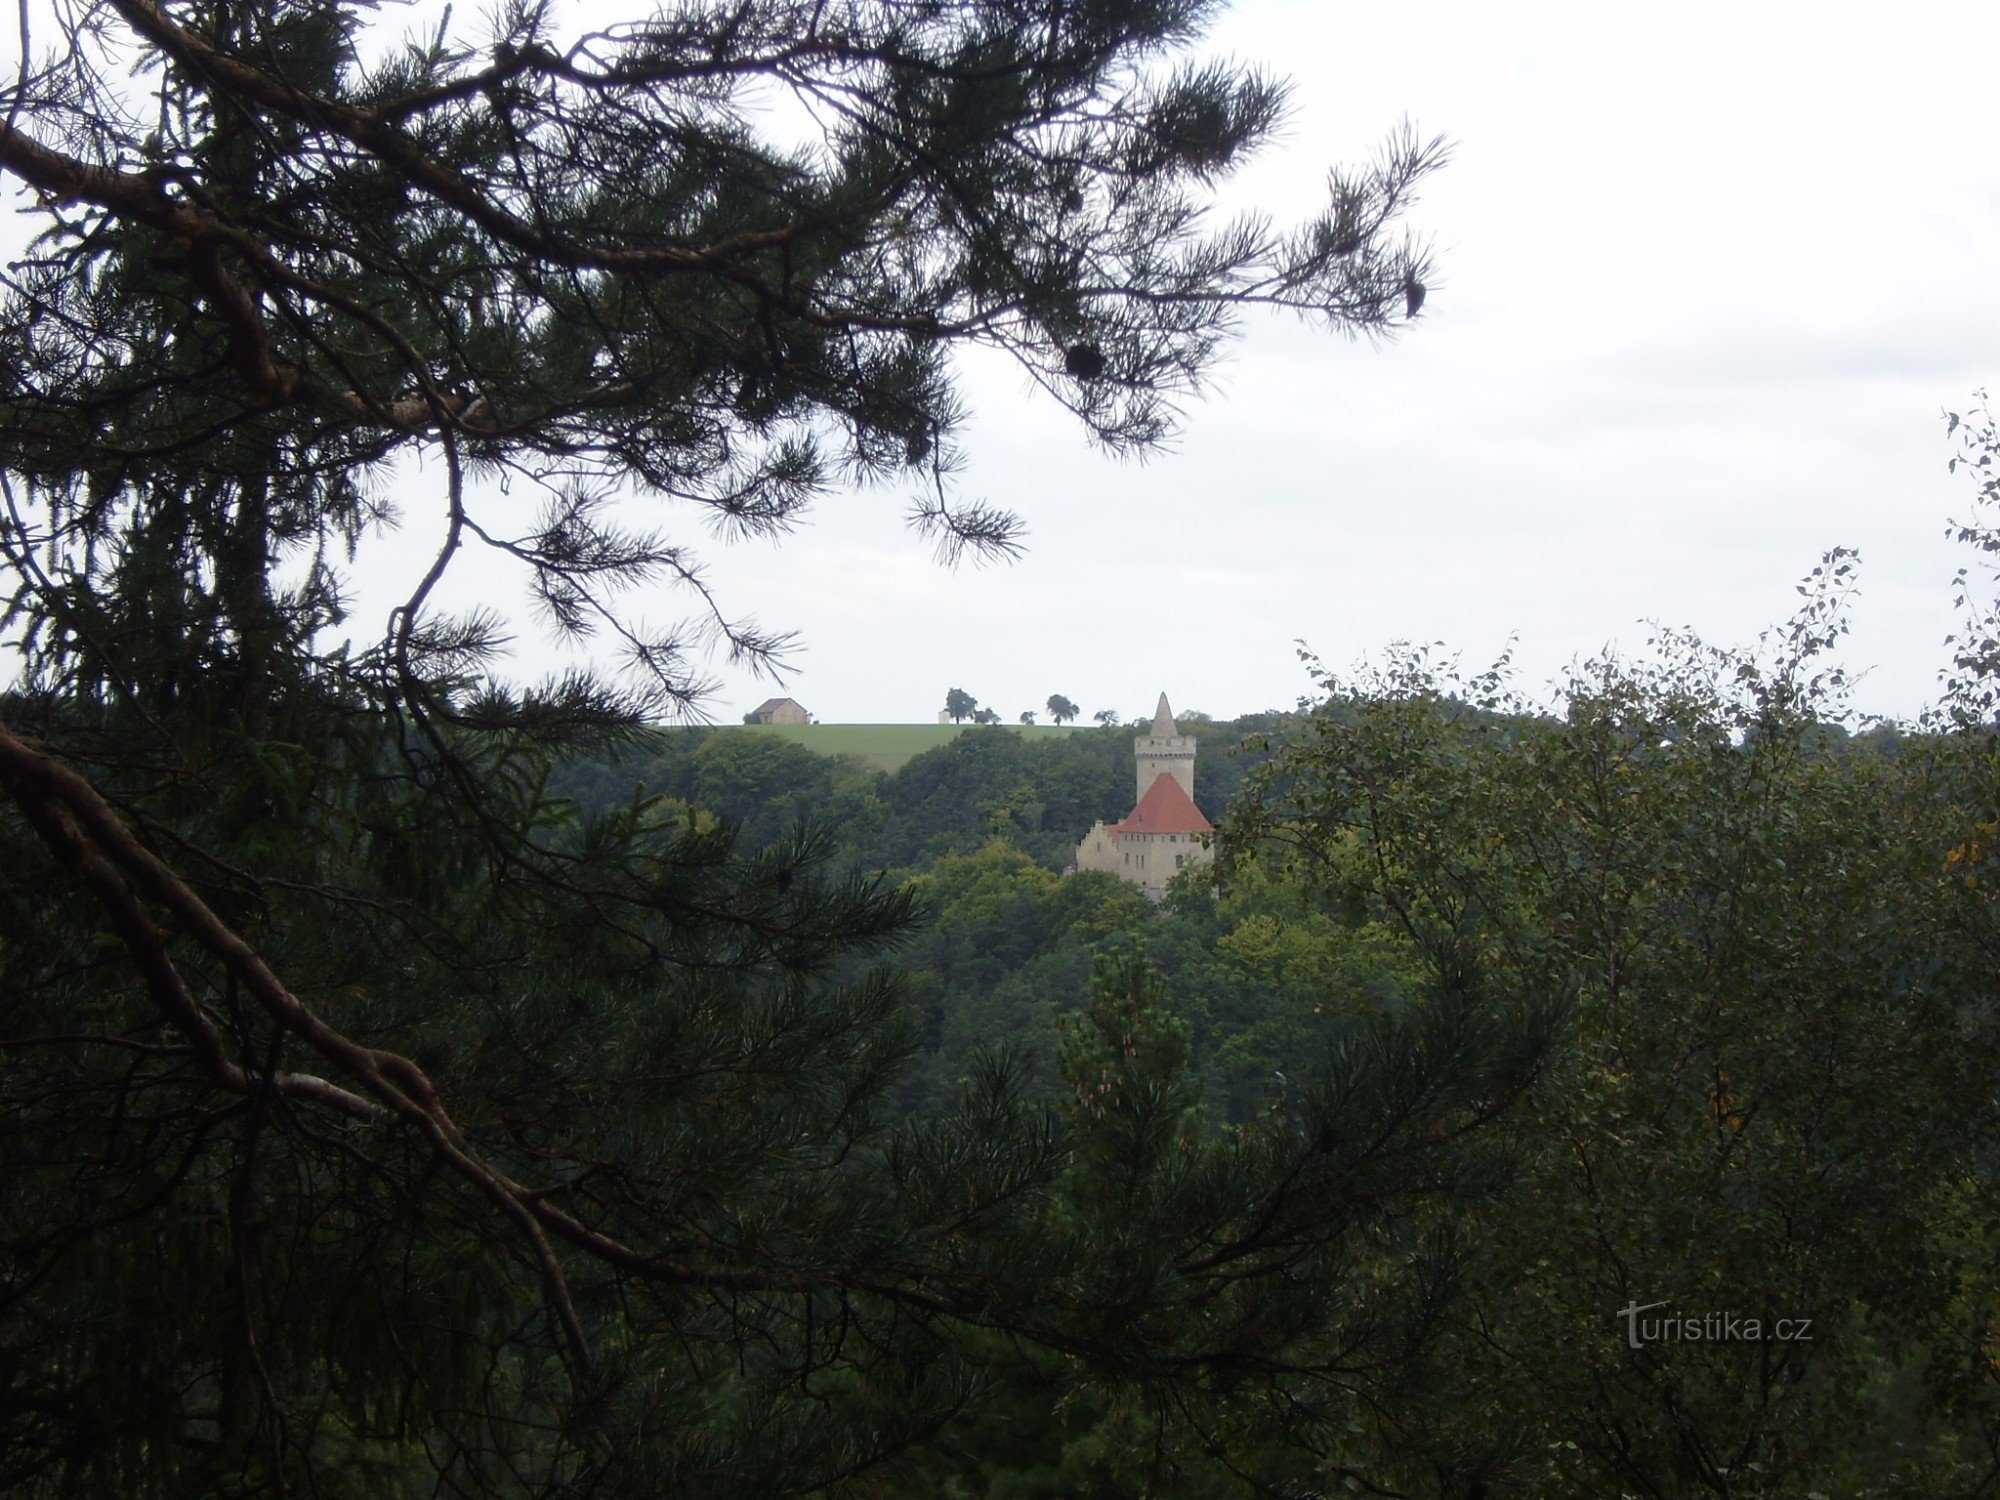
240 1294
1972 689
1303 1253
1124 1062
1782 1031
1043 794
1006 942
1276 968
381 1116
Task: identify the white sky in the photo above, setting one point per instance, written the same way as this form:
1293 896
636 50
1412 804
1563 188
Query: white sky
1709 275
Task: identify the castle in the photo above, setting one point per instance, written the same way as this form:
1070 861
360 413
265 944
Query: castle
1165 832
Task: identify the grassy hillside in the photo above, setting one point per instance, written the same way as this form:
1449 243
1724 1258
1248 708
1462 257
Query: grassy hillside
887 747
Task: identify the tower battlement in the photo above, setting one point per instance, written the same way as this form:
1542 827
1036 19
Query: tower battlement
1163 750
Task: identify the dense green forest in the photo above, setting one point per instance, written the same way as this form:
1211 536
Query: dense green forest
1039 794
1754 954
418 1083
978 831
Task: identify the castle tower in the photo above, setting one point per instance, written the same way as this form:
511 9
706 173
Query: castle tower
1163 749
1164 833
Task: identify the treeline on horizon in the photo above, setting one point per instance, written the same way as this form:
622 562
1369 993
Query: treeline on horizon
1040 793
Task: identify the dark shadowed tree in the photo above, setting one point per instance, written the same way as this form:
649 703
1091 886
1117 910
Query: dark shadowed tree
1061 710
377 1124
960 704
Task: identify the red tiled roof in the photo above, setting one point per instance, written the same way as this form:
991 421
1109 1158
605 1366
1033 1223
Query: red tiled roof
1165 809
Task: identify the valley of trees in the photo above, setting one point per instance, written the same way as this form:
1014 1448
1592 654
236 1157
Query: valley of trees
414 1083
1704 979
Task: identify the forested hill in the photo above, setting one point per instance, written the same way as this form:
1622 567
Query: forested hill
1681 996
1038 792
979 828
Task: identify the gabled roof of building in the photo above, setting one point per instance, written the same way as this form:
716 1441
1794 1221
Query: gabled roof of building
1165 809
770 704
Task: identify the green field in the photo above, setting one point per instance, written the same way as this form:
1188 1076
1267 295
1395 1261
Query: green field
886 746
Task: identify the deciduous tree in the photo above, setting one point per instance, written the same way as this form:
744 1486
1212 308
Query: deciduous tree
1771 947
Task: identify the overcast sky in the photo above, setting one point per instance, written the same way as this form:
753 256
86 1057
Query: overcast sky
1709 275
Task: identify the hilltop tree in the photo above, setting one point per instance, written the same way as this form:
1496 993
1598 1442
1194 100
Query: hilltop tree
1061 710
960 704
1027 716
374 1123
1972 688
1108 717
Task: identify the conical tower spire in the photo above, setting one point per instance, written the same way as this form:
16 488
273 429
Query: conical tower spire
1164 750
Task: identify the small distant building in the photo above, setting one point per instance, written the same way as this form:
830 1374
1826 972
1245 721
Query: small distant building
779 711
1165 833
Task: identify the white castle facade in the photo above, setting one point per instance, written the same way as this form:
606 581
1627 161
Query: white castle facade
1165 833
